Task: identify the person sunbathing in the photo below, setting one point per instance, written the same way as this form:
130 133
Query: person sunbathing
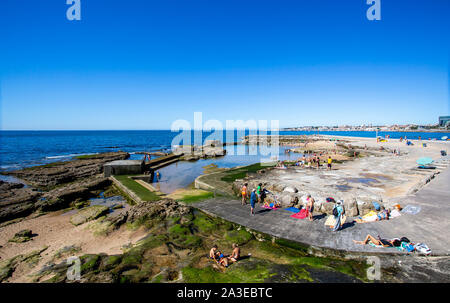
382 215
236 253
380 242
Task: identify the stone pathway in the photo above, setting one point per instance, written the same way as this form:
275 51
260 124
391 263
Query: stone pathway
430 226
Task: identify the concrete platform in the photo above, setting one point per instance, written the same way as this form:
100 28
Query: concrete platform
430 226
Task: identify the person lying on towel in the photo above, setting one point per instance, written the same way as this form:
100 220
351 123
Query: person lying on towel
382 215
380 242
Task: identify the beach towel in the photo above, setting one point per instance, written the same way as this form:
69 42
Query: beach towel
369 214
301 214
412 210
331 221
374 245
292 209
270 207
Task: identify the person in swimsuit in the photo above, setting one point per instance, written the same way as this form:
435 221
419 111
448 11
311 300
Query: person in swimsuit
380 242
244 193
236 253
382 215
310 207
221 259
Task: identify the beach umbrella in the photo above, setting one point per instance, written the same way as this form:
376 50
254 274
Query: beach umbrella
424 161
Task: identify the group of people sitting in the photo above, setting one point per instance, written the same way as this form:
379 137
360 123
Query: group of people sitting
313 161
223 260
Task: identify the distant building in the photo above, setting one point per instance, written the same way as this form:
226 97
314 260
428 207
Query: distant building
444 120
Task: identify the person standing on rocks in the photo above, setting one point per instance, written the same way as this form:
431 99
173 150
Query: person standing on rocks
338 211
259 191
244 193
253 199
310 207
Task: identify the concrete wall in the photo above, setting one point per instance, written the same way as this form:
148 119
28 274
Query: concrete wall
123 168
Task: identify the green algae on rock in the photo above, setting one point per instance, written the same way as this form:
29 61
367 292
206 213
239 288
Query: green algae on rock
88 214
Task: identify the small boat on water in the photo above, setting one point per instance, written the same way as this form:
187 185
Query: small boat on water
444 138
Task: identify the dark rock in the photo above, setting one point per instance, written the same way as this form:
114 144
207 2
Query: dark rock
54 174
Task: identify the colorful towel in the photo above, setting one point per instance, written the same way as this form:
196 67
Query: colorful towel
301 214
268 207
369 214
292 209
374 245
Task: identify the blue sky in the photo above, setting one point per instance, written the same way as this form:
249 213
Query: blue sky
142 64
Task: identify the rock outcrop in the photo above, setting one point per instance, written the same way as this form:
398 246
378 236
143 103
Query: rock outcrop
88 214
16 200
161 209
59 185
54 174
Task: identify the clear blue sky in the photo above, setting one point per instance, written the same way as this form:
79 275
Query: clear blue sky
141 64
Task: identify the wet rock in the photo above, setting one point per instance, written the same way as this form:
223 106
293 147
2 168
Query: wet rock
51 175
16 201
66 182
62 197
88 214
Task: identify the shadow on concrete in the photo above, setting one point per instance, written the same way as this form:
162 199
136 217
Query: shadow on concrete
262 211
319 217
348 224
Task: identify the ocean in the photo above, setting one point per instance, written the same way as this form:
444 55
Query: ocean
20 149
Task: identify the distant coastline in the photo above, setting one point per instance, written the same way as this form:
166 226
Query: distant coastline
443 131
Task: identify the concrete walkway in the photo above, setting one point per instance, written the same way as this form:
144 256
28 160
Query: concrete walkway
430 226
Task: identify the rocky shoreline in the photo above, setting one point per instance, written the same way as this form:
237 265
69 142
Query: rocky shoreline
54 186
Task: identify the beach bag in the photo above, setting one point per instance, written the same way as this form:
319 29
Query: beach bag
329 199
422 248
376 205
409 247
